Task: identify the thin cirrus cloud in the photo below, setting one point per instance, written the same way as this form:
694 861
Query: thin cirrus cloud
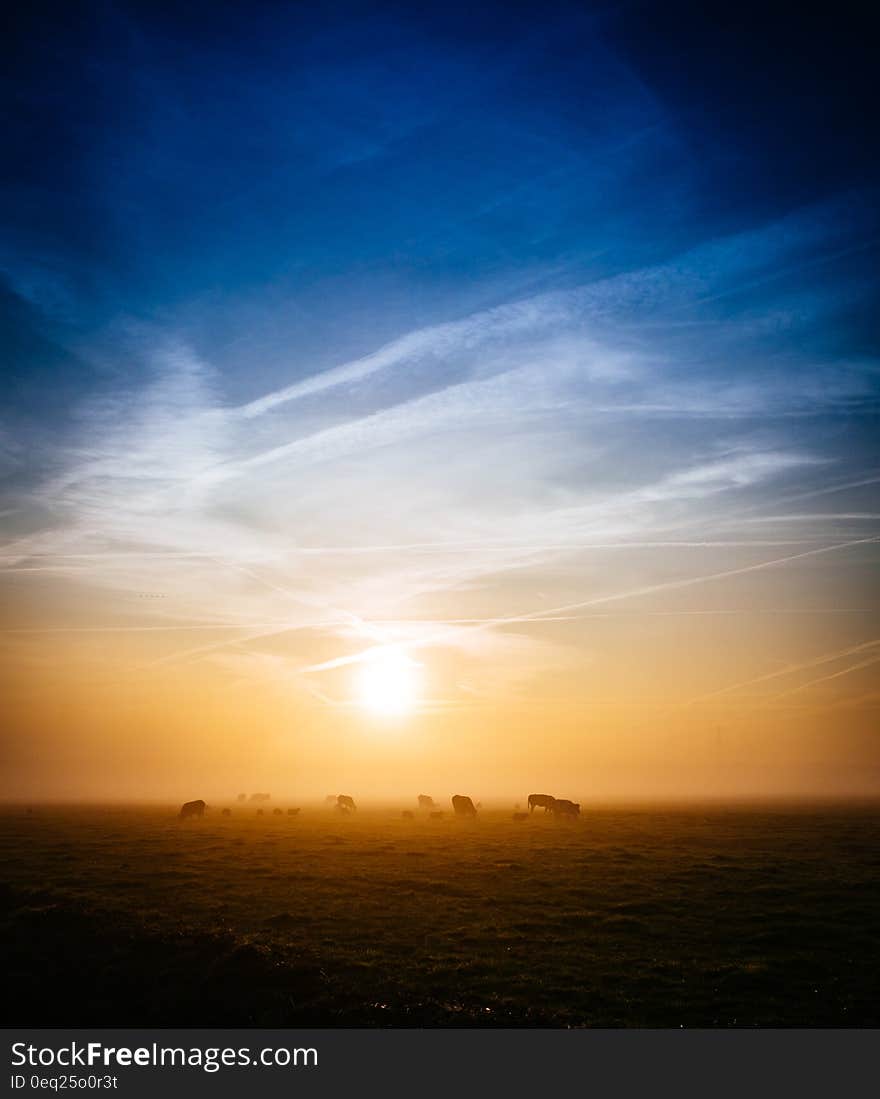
508 442
545 354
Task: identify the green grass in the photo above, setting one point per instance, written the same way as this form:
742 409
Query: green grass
624 918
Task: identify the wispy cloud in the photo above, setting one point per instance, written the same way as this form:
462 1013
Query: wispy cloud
455 459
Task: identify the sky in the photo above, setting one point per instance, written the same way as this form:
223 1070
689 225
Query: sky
439 398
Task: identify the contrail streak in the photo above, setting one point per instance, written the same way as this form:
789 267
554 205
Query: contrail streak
339 616
137 629
824 678
289 627
874 479
346 616
477 545
652 589
825 658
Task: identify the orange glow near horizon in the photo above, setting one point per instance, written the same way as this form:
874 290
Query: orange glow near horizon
758 685
406 401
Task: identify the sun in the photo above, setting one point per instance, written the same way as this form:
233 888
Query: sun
388 683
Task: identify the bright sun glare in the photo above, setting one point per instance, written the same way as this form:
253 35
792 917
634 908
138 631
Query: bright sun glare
388 683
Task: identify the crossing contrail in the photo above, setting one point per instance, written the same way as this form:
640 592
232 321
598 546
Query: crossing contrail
824 678
566 608
815 662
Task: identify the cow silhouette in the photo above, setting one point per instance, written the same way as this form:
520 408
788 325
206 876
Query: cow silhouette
543 801
463 806
260 797
192 809
345 802
227 812
565 808
426 802
277 812
241 797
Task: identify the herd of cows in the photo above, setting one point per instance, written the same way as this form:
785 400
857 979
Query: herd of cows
344 805
561 807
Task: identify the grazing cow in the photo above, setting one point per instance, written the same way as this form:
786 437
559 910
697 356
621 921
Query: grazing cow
227 812
292 812
438 815
463 806
520 816
192 809
408 814
345 802
425 802
565 808
545 801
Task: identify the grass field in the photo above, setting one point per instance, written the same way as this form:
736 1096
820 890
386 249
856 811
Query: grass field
641 917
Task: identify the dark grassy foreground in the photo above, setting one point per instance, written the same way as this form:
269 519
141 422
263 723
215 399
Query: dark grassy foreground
626 918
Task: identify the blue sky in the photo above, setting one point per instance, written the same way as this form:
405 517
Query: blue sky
415 318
